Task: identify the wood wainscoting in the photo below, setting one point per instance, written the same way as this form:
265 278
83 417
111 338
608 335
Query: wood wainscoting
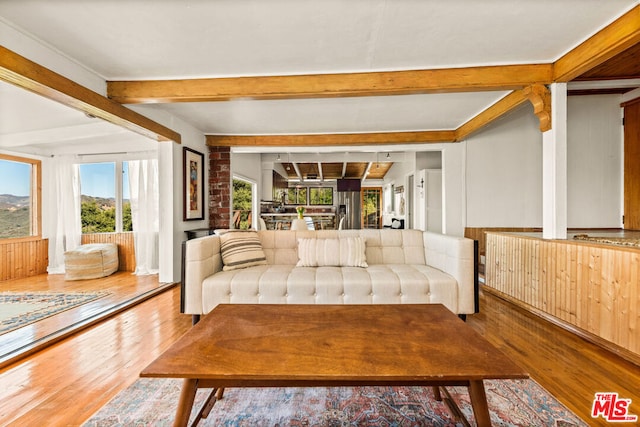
591 289
479 234
126 249
20 258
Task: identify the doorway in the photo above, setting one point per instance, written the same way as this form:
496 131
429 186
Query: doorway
244 204
371 207
631 169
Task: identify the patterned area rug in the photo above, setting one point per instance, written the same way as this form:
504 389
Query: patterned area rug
152 402
19 309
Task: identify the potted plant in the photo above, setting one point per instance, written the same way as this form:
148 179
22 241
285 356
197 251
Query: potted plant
300 210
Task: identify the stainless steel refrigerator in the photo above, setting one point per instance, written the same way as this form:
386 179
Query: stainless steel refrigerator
349 209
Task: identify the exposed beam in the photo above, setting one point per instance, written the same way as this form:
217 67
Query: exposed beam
419 137
494 112
610 41
297 169
366 171
538 95
31 76
540 98
487 78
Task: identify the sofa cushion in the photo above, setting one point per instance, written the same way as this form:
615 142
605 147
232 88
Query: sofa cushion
346 252
241 249
288 284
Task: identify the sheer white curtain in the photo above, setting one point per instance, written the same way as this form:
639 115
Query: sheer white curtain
144 194
66 226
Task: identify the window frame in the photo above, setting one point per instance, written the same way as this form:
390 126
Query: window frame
35 197
297 190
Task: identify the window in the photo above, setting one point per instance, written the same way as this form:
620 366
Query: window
19 197
105 206
297 196
321 196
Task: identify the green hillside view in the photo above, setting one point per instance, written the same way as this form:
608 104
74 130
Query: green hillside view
98 215
14 222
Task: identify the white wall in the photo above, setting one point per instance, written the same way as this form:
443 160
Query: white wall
453 189
504 169
247 165
170 165
595 145
504 173
398 176
429 159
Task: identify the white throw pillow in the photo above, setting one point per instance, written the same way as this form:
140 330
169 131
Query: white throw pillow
345 252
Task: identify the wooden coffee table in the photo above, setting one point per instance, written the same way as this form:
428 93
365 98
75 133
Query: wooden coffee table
261 345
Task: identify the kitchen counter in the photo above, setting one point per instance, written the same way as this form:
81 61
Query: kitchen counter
282 221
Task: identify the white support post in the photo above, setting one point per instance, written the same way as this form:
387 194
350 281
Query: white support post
169 251
554 167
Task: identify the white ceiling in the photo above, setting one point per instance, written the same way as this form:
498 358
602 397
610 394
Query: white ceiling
161 39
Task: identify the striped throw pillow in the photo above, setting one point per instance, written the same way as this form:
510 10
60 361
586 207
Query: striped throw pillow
241 249
345 252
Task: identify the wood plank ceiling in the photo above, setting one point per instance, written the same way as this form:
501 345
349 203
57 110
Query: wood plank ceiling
323 171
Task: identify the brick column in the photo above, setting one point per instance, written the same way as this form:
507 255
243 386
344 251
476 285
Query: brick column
219 187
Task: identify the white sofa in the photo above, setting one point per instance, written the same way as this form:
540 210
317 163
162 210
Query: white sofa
404 267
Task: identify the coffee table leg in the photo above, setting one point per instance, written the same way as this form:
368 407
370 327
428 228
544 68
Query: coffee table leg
436 393
479 403
187 397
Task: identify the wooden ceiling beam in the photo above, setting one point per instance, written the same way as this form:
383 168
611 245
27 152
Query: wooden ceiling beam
620 35
487 78
538 95
22 72
540 98
494 112
337 139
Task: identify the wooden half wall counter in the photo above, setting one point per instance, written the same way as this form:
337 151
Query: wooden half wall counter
20 258
126 248
590 289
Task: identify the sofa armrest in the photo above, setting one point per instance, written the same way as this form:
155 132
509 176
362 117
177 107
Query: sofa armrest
201 259
455 256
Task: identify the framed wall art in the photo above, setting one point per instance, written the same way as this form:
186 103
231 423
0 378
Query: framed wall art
193 176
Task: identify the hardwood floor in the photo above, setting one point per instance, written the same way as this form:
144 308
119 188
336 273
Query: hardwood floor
67 382
123 288
568 366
